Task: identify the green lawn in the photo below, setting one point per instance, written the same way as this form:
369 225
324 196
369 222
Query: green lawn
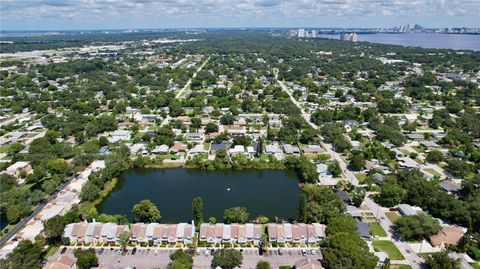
389 248
392 216
52 251
400 266
475 265
433 172
361 177
377 230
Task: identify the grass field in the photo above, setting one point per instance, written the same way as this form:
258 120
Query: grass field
389 248
377 230
392 216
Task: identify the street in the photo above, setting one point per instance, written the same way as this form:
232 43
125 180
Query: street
413 259
35 211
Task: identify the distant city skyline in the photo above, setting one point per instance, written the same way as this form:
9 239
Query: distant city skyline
149 14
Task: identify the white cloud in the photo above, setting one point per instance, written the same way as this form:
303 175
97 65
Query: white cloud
198 13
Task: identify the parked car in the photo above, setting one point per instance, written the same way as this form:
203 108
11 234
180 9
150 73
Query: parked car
134 250
313 252
280 252
120 251
64 249
100 251
304 252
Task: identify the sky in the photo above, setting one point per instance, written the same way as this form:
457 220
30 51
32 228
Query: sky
137 14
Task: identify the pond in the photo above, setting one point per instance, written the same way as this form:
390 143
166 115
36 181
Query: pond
263 192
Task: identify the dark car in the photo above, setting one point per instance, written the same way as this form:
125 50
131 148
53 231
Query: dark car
134 250
63 250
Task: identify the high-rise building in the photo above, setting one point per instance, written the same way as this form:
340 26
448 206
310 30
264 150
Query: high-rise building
349 37
301 32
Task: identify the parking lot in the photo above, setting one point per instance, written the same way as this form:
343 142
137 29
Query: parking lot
159 258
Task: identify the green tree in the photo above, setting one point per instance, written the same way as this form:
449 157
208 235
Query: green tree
323 203
335 168
417 227
236 214
357 162
211 128
435 156
391 194
53 228
90 192
146 211
25 255
227 258
124 238
357 195
180 259
86 258
347 251
342 224
440 260
197 208
263 265
302 207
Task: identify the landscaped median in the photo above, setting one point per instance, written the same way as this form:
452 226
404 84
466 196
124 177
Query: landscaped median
389 248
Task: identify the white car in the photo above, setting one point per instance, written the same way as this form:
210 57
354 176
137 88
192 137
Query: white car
313 252
155 253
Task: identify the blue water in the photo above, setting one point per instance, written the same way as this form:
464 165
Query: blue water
263 192
424 40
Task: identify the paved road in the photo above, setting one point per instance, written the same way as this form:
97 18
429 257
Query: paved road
349 175
413 259
35 211
182 91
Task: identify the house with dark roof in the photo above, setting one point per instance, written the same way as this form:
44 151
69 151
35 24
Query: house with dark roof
363 230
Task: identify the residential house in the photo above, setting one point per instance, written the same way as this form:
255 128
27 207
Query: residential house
62 262
408 210
289 149
312 149
308 263
162 149
214 147
237 150
449 235
138 234
120 135
363 230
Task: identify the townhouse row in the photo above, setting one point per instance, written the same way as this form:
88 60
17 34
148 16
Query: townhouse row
99 233
231 233
300 233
